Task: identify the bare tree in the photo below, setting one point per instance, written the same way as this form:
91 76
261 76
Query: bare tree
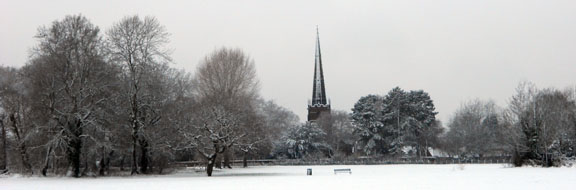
213 130
226 87
473 129
570 131
541 123
226 76
255 135
70 80
4 73
4 161
339 132
278 122
168 94
16 105
138 45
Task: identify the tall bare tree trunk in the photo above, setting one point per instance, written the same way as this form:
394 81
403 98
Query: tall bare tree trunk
134 155
135 126
245 160
122 163
227 156
211 162
218 162
4 162
134 134
21 145
47 161
144 147
74 150
105 162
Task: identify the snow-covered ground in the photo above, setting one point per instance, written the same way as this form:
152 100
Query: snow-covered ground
488 176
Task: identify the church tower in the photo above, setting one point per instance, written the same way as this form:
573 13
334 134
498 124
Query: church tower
319 104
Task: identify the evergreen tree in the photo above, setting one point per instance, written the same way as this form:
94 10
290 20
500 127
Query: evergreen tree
305 141
396 118
367 119
421 128
399 120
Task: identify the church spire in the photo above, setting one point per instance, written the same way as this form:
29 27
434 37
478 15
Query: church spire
319 104
318 92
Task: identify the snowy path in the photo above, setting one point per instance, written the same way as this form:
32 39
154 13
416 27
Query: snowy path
294 177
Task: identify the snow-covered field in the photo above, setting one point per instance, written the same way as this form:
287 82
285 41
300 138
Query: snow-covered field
488 176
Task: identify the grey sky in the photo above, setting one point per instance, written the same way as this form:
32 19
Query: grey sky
454 49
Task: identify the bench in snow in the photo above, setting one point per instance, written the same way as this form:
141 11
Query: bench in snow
346 170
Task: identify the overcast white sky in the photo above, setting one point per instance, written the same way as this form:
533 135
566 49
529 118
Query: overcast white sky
454 49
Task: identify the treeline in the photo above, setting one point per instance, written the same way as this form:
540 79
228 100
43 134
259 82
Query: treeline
538 127
90 103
